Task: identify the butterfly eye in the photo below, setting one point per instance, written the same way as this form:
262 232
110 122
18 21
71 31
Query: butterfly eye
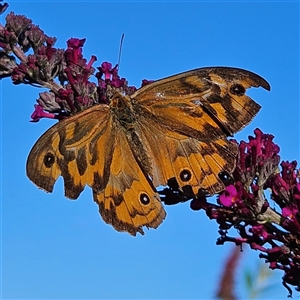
49 160
237 89
144 199
185 175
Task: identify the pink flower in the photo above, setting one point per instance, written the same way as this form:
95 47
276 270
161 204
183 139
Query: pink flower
229 196
106 70
40 113
290 211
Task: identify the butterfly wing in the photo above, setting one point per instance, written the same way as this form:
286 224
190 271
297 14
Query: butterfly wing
205 103
185 119
70 149
89 149
129 200
191 162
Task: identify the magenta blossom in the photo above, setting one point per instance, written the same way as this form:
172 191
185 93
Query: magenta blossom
245 207
39 113
290 212
229 196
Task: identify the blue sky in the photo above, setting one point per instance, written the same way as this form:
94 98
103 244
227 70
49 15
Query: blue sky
54 248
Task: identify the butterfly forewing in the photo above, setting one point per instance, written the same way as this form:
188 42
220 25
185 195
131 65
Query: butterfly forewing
67 149
205 103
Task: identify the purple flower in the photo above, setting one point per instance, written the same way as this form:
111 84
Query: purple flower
105 70
229 196
75 49
145 82
40 113
290 212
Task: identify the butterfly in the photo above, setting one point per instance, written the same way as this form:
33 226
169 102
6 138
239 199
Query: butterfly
173 128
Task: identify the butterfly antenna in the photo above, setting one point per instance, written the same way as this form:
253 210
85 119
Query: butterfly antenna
120 50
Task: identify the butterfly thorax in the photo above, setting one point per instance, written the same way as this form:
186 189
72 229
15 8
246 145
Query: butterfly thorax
122 111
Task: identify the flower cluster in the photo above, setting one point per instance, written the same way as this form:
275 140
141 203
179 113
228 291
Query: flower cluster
243 205
65 73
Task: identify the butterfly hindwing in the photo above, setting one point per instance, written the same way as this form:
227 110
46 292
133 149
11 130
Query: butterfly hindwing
129 200
189 161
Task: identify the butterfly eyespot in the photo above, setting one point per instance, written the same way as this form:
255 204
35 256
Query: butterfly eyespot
237 89
185 175
144 199
49 160
225 178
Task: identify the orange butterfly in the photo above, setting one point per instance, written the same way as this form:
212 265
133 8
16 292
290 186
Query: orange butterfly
176 127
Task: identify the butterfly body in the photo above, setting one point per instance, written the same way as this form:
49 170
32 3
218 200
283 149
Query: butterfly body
176 127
